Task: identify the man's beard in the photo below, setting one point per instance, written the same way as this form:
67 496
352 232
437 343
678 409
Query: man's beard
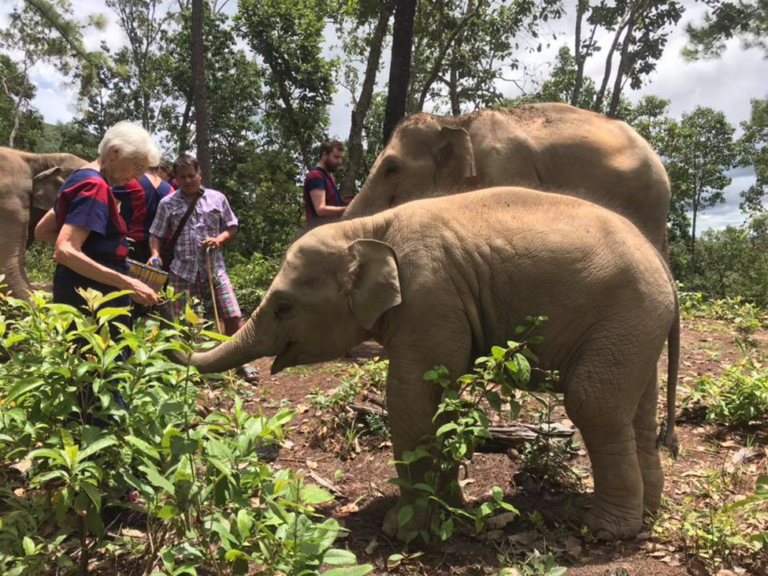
330 169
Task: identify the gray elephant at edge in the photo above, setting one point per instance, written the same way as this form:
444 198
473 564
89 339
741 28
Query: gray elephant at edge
439 281
29 184
550 147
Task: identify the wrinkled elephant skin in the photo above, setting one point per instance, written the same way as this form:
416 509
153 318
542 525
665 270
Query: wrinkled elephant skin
550 147
28 187
440 281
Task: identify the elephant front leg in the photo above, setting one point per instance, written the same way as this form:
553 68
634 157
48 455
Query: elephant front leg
412 404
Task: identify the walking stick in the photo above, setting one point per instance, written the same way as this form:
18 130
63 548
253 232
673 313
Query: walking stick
213 292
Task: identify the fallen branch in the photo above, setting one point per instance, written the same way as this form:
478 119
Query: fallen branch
504 437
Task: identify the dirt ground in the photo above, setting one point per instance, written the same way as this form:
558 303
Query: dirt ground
364 495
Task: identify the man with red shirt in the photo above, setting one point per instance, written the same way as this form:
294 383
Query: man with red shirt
322 201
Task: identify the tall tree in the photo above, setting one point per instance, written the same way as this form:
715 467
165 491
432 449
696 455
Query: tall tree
400 65
640 30
753 151
699 153
33 36
202 138
462 48
142 23
744 19
372 19
288 36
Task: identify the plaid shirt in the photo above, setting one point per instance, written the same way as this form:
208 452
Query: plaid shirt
211 217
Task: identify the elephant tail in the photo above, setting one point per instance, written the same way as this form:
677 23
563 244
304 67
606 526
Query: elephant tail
667 436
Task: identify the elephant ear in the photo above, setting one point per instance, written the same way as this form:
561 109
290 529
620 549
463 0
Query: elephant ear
45 186
455 158
374 280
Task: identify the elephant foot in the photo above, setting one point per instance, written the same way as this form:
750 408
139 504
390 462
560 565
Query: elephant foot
609 526
651 505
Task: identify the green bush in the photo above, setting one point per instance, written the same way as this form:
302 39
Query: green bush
94 427
738 396
251 278
39 263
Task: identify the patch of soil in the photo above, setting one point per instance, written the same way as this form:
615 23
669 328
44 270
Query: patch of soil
361 478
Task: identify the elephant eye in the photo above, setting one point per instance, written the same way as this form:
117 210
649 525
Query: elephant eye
391 171
283 310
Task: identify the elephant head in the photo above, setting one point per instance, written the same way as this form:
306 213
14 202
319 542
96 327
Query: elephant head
326 298
28 187
425 157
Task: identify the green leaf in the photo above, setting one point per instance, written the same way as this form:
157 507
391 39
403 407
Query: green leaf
143 446
100 444
108 314
157 480
339 557
29 546
191 317
93 494
101 300
405 515
361 570
313 494
220 338
23 387
498 494
444 429
170 407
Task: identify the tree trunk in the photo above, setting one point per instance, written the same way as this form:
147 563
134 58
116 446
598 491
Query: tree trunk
617 85
400 66
355 141
695 207
453 90
183 135
609 65
578 55
198 75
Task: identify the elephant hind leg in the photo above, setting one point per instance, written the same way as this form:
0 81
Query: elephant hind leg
599 403
646 426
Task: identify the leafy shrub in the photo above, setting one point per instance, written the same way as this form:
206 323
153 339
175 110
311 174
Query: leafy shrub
251 278
39 263
96 429
738 396
463 425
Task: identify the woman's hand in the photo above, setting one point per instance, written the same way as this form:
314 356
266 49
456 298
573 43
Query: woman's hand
142 293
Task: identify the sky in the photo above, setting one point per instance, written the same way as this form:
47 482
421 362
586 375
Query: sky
726 84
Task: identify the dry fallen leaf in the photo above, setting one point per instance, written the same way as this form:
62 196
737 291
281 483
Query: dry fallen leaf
302 408
288 445
372 545
524 538
501 520
22 466
350 508
573 546
466 481
311 464
132 533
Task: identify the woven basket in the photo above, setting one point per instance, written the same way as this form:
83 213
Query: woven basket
153 277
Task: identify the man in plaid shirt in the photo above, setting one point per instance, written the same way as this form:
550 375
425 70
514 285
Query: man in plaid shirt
210 225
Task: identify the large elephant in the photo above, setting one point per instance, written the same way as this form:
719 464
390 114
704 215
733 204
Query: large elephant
440 281
551 147
28 187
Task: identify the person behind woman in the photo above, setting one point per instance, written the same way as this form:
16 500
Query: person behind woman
91 246
138 205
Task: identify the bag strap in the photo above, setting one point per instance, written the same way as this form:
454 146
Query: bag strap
184 219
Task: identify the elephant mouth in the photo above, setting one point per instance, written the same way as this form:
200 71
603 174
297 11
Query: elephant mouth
285 359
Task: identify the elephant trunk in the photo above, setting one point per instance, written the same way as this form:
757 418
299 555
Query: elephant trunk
361 204
246 345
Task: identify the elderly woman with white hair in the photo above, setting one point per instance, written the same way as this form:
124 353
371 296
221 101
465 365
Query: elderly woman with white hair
91 246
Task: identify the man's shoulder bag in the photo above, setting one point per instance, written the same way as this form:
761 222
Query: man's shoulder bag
167 252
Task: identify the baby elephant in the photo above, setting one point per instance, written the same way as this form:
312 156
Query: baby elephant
440 281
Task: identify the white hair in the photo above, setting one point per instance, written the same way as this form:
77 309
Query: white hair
132 141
